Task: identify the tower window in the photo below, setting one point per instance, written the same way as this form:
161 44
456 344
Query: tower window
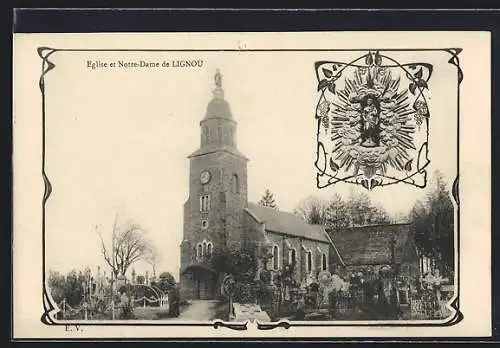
235 184
209 136
231 137
205 134
222 199
219 132
205 203
324 264
204 252
204 224
209 249
199 251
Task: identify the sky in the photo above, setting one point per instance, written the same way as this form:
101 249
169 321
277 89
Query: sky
118 141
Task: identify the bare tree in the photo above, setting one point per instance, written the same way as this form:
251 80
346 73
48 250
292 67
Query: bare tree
129 245
313 210
153 259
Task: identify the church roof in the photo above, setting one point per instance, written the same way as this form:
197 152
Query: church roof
211 148
218 108
371 245
286 223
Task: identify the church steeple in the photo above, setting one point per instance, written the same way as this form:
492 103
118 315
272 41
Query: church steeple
215 210
218 128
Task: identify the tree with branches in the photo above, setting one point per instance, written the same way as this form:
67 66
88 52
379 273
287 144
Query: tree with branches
337 213
433 224
312 210
153 259
129 245
268 200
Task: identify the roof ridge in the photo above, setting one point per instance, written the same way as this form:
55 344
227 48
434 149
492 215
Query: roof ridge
367 226
285 222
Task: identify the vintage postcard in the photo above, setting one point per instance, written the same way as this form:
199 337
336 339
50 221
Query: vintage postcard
251 185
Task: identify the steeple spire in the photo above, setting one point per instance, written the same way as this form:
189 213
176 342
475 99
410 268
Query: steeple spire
218 128
218 92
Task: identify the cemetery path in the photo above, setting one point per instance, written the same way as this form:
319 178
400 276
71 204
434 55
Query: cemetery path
200 310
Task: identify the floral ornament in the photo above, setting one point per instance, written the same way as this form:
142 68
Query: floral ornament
330 75
421 111
323 110
419 81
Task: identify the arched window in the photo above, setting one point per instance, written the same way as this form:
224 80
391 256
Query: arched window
209 249
292 254
204 203
204 250
235 184
276 257
324 264
199 251
309 262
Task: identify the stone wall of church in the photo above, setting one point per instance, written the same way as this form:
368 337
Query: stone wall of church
286 243
302 246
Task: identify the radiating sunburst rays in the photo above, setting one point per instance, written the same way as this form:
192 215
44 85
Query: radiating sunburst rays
396 123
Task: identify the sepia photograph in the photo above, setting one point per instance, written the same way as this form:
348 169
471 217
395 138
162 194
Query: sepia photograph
249 246
282 188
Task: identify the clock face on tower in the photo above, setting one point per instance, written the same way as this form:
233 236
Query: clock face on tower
205 177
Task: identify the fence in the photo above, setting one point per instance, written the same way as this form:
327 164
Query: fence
105 308
86 311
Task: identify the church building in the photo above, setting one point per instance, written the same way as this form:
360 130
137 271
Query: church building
217 213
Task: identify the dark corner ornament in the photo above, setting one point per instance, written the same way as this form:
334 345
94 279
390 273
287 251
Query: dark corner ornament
373 119
271 326
232 326
49 309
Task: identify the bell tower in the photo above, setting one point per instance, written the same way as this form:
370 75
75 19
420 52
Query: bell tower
213 213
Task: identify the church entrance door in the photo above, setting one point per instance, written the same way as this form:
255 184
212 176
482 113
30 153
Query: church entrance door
205 285
202 284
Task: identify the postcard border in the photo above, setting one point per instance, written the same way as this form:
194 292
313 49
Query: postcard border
49 308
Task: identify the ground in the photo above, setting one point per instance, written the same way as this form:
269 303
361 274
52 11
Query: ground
199 310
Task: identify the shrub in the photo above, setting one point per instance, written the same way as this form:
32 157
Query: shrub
127 311
265 276
245 292
266 293
241 263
